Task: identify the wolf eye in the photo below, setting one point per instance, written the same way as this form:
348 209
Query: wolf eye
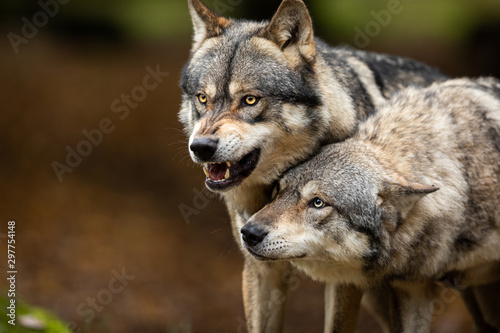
317 203
202 98
250 100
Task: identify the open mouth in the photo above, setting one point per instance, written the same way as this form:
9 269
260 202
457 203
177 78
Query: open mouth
221 176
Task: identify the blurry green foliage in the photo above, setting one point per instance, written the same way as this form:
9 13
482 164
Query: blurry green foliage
164 19
153 18
50 323
450 20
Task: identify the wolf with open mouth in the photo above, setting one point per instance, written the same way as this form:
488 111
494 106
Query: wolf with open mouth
262 97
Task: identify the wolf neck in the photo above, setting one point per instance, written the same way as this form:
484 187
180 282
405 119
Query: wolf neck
340 117
247 198
338 110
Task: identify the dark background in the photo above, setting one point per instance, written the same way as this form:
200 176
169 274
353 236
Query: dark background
119 207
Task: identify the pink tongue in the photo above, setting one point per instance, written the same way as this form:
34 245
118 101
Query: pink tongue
217 171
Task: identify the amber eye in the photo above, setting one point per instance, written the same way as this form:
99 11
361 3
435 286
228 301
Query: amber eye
202 98
251 100
317 203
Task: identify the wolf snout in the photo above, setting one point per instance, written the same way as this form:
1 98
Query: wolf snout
204 148
253 234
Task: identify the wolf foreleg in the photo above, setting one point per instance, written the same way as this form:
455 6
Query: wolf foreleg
484 304
412 307
342 304
265 287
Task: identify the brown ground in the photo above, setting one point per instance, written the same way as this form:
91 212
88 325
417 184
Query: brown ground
118 209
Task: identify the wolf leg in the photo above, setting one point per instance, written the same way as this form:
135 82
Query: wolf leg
483 304
475 310
412 307
342 304
265 286
377 302
329 307
489 301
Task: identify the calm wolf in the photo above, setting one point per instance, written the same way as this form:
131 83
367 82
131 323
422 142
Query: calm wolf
261 97
412 199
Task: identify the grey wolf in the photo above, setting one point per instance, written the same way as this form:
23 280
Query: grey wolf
261 97
412 199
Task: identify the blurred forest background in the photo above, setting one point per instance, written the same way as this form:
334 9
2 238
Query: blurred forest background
104 246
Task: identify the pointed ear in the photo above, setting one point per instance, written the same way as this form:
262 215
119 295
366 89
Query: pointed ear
404 194
206 23
291 28
401 186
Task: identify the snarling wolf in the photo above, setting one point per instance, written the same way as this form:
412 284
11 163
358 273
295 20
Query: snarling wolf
412 199
261 97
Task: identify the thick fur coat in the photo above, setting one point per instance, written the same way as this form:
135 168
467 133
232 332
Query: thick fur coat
412 199
262 97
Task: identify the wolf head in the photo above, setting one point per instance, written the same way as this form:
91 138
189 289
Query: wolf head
251 105
338 208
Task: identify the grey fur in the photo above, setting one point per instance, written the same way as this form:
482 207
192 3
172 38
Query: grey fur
412 199
310 94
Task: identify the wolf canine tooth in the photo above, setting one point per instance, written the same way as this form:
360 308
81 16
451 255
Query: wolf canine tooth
205 170
226 176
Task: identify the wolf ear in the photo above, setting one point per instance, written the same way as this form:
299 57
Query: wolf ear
291 27
404 194
206 23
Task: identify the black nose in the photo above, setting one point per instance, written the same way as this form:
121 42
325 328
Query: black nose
204 148
253 234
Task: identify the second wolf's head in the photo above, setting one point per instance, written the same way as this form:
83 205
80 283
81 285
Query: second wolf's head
252 104
332 215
